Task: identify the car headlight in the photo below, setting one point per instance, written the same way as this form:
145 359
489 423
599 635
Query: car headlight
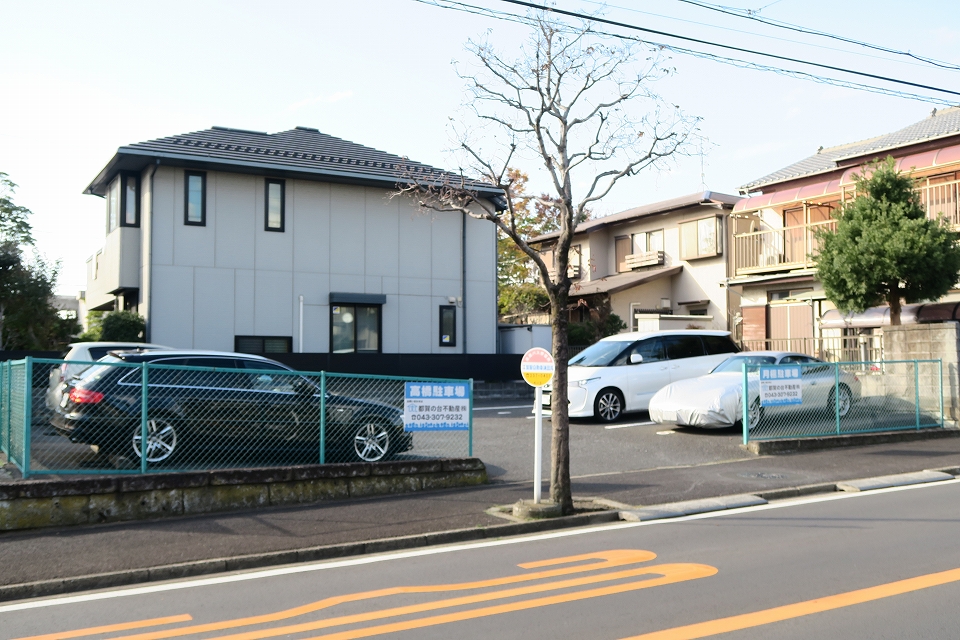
583 383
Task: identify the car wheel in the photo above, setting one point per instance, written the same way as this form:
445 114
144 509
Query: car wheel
756 414
371 441
608 406
161 440
846 401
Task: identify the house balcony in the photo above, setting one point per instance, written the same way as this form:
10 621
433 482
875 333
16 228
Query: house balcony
644 259
771 250
942 200
114 269
573 270
789 248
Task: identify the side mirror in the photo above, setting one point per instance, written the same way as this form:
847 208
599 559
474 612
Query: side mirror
636 358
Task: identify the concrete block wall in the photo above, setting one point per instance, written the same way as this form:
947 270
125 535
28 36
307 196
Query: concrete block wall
939 341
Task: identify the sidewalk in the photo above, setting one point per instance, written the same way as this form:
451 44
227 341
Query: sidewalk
46 554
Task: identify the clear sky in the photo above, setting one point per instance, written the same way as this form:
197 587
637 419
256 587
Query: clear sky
80 79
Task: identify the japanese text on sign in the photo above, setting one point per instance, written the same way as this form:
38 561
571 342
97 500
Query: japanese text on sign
780 385
432 406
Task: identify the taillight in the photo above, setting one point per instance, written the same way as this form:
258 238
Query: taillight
85 396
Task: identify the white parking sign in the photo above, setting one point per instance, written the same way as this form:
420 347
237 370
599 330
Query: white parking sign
436 406
780 385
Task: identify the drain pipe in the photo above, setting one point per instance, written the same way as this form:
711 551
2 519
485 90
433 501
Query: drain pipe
148 272
463 276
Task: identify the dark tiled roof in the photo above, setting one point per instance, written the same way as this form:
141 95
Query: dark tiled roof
664 206
300 150
945 122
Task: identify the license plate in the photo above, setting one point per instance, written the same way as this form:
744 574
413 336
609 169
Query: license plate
546 399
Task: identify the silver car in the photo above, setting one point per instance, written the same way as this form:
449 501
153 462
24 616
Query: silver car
715 400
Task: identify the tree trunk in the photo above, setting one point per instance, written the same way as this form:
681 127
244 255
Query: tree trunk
894 301
560 490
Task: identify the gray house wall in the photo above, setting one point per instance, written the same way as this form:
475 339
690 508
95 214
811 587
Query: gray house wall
201 286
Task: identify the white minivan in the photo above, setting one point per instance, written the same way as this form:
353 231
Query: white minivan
621 373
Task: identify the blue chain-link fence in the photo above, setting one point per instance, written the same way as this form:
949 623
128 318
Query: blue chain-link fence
122 417
821 399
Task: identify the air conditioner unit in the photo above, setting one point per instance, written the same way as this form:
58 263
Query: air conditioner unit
665 303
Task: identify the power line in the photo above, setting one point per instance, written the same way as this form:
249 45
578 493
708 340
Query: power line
750 15
625 25
463 7
603 3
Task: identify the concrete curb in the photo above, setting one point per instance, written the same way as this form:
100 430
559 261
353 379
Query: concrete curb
690 507
794 445
311 554
899 480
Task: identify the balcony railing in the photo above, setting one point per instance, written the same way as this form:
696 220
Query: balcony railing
942 200
792 247
644 259
777 249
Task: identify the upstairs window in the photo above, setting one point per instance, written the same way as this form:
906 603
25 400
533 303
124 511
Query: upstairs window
274 205
195 199
130 200
113 205
701 238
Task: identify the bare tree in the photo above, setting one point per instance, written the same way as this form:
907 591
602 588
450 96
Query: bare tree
570 100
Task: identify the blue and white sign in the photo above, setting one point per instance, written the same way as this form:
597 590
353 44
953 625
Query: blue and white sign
436 406
780 385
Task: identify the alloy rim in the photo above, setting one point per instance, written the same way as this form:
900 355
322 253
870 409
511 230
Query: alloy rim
161 440
371 442
609 406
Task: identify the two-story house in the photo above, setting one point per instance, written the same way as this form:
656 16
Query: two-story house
658 266
774 234
289 242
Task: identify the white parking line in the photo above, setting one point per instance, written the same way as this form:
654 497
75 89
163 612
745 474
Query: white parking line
629 424
519 406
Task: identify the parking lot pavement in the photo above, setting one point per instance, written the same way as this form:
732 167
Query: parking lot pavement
503 439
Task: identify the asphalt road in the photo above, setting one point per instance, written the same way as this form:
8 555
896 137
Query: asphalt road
503 439
874 565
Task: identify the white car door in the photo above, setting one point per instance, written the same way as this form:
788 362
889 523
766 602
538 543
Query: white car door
648 376
686 357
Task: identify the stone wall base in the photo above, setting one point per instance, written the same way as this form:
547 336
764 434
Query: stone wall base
30 504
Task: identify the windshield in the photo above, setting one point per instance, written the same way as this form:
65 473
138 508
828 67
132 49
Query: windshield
736 363
599 355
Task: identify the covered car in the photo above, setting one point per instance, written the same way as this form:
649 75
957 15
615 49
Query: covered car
714 401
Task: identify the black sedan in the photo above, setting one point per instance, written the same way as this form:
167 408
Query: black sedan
220 406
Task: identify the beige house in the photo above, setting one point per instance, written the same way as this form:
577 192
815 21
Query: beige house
658 266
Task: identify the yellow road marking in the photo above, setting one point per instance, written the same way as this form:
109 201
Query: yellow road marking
669 573
786 612
601 560
124 626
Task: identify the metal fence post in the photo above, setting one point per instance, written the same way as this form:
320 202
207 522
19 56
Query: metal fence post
836 395
27 412
746 409
940 378
323 417
8 412
916 385
470 443
144 422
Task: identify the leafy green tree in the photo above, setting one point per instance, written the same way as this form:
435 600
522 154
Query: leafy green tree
92 334
122 326
884 248
28 319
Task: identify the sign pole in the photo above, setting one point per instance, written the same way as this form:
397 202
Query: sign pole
536 367
538 445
